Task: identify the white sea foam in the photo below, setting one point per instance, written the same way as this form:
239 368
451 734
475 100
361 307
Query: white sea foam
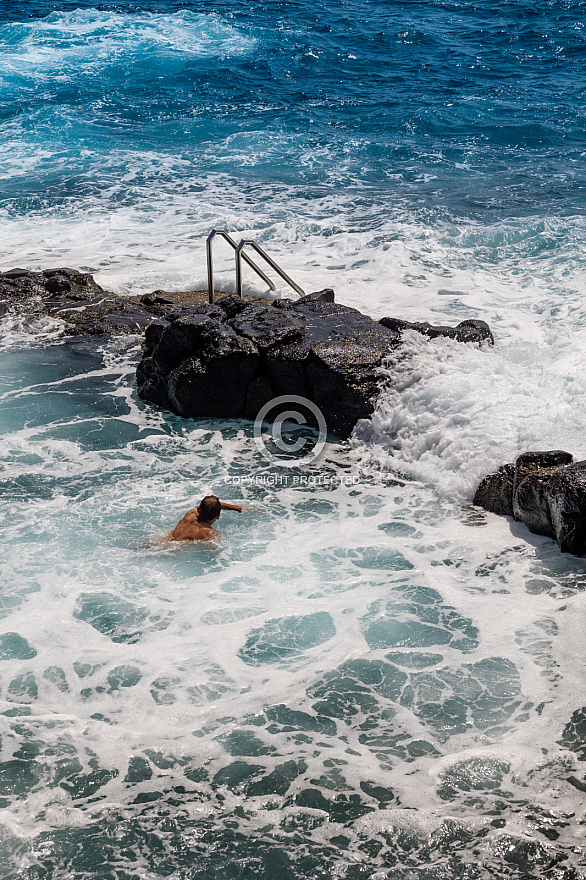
27 331
158 233
450 414
295 552
86 40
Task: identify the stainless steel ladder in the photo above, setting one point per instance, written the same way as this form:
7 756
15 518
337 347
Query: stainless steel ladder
240 255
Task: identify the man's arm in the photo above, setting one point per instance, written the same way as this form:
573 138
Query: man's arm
225 506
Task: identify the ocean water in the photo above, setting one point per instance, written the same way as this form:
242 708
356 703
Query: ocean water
366 677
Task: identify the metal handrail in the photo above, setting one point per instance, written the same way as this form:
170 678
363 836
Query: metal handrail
210 262
250 243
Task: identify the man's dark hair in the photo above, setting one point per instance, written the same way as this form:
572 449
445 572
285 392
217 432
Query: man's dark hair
209 508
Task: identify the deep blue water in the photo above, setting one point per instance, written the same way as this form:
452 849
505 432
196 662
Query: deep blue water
457 107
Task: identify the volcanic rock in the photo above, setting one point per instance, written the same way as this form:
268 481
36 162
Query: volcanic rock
86 308
566 495
229 359
533 471
466 331
544 490
495 492
232 358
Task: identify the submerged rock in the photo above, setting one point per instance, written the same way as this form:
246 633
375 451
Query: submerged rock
544 490
232 358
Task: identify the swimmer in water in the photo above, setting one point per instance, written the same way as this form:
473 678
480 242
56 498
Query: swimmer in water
197 524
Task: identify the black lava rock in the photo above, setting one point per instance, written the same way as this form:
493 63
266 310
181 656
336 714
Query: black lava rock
566 496
465 331
544 490
74 297
495 493
230 359
533 471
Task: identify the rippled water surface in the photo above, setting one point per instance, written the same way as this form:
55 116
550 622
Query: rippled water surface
366 677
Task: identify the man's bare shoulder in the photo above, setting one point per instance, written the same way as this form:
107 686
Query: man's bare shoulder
202 533
193 531
191 515
194 534
196 524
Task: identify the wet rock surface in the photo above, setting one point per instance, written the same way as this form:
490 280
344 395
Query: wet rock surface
544 490
86 308
465 331
229 359
232 358
72 296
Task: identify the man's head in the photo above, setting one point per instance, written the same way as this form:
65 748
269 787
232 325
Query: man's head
209 508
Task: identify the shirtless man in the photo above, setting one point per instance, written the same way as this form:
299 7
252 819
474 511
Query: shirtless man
197 524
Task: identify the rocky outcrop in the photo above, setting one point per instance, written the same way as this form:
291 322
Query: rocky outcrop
465 331
85 308
567 505
229 359
544 490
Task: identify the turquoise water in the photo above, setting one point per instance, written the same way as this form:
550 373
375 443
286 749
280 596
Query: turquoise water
366 677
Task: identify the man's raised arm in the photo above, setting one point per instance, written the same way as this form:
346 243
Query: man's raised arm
225 506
